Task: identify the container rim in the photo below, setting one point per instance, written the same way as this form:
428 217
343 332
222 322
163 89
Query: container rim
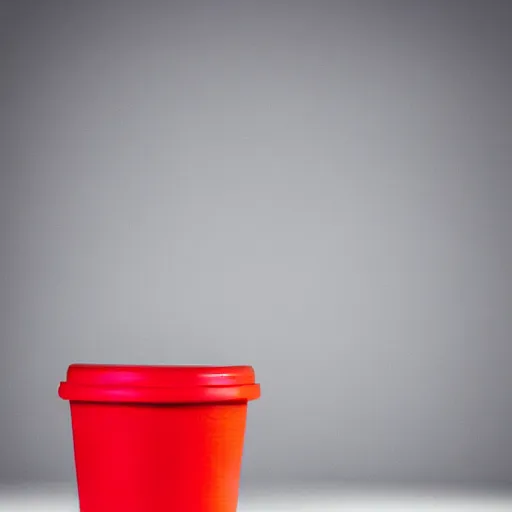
158 384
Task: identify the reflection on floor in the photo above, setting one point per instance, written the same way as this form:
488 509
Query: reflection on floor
30 498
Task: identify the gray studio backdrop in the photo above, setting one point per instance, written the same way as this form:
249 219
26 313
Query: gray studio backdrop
320 189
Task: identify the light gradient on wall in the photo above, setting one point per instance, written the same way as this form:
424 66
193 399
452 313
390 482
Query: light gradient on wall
320 189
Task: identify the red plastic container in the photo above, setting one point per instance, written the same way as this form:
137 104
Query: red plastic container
158 438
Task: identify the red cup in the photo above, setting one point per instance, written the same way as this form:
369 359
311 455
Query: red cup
158 438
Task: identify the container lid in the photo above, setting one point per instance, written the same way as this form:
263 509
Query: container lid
159 384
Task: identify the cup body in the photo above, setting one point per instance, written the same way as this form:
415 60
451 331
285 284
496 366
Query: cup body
157 448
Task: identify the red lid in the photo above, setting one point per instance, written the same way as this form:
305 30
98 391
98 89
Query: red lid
159 384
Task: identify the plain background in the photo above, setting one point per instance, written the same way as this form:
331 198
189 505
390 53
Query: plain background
320 189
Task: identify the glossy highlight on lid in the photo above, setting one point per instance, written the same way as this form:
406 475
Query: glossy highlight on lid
159 384
161 376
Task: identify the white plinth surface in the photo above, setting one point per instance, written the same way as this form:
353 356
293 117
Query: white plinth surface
30 498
